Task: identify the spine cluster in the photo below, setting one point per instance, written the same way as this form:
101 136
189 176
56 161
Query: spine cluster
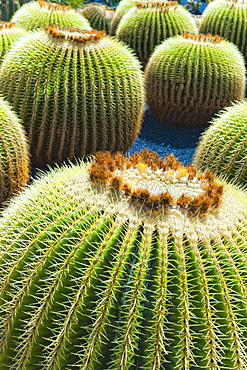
74 34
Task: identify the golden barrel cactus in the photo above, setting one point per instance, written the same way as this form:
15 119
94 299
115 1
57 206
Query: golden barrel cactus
99 16
9 33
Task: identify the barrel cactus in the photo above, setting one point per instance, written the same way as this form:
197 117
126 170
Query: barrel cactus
227 19
222 147
190 78
8 8
40 13
76 92
149 23
9 33
14 153
122 8
124 263
99 16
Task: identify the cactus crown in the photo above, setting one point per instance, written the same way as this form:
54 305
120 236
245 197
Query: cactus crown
74 34
53 6
4 25
163 5
203 38
147 180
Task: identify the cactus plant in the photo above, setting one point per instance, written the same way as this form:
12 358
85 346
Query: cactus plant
40 13
8 8
222 147
76 92
228 20
149 23
122 8
99 16
9 33
118 263
14 153
190 78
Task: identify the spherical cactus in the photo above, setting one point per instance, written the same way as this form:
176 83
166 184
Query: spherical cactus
99 16
122 8
76 92
9 33
227 19
222 147
190 78
124 264
149 23
14 153
40 13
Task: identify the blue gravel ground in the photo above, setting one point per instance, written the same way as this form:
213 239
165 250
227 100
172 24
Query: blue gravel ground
165 140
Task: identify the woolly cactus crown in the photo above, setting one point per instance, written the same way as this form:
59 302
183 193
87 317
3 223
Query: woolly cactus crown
85 92
189 78
149 23
99 16
40 13
103 267
227 18
9 33
14 153
222 147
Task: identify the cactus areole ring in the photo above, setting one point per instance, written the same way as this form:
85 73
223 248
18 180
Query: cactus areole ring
156 184
53 6
74 34
4 25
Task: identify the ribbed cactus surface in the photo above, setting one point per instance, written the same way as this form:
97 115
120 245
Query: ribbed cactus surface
14 153
99 16
76 92
149 23
9 33
222 147
227 19
190 78
124 264
122 8
36 14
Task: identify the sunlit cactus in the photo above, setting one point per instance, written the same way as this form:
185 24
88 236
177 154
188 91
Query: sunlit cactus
14 153
124 263
149 23
76 92
36 14
122 8
227 18
99 16
190 78
9 33
222 147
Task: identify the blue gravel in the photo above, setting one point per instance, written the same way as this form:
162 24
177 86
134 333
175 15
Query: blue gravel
165 140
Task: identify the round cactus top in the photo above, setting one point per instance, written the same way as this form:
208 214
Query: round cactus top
155 184
6 25
162 5
201 38
53 6
237 3
74 34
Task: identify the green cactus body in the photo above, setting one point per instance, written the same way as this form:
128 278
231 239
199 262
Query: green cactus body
227 19
122 8
134 263
76 92
98 16
14 153
190 78
222 147
8 8
9 33
40 13
149 23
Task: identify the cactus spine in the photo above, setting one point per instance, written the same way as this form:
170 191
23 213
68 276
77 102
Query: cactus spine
228 20
8 8
98 274
40 13
223 146
190 78
98 16
90 93
14 153
9 33
149 23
